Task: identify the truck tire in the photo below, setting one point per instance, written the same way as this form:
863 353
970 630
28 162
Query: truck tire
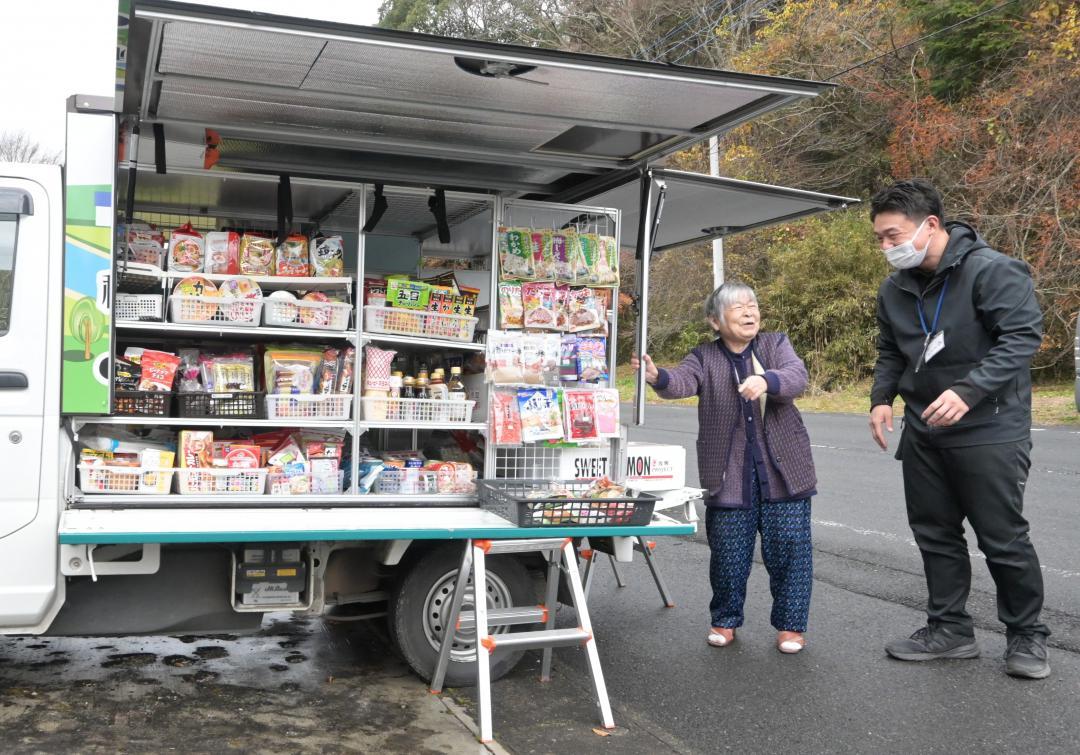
420 602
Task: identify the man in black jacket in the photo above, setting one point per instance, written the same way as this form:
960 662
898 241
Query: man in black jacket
958 325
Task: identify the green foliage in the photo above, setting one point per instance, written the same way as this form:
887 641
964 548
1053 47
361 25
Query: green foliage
824 276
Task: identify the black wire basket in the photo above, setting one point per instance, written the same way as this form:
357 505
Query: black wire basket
541 503
142 403
222 405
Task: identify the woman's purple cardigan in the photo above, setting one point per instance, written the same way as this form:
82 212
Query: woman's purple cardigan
708 373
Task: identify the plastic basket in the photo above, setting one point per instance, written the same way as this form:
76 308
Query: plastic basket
124 480
321 315
413 410
511 500
408 322
142 403
138 307
281 484
393 481
200 310
221 481
228 404
309 406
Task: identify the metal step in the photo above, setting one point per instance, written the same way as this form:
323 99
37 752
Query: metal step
491 547
553 638
504 617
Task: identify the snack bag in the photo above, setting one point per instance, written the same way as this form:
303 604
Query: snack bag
540 358
607 412
190 375
538 301
292 257
345 371
256 254
126 374
592 359
580 410
511 309
196 449
504 357
515 254
562 307
223 252
186 249
590 258
608 260
579 269
543 262
541 417
560 255
374 291
291 370
568 366
158 371
582 311
328 257
601 302
505 419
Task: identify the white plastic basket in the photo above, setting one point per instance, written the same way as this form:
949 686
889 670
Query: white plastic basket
138 307
124 480
200 310
280 484
417 410
221 481
393 481
408 322
309 406
321 315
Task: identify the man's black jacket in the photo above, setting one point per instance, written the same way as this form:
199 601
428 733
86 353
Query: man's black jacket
993 327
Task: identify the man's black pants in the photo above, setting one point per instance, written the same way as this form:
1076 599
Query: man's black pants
985 485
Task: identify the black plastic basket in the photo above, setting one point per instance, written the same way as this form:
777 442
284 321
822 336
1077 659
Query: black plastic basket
527 503
142 403
227 405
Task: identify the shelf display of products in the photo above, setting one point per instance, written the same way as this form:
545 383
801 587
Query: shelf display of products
436 308
564 256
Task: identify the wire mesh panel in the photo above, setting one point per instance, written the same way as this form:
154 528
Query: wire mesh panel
532 462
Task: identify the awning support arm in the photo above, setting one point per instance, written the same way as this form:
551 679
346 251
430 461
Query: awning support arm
648 226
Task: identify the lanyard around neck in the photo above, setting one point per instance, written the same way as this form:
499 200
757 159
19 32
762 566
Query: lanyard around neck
937 312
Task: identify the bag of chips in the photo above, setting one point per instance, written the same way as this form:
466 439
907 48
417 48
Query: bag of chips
158 371
541 416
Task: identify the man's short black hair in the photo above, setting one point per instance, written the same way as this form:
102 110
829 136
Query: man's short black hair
916 199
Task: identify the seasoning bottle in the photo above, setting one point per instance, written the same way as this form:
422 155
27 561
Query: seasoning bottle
437 391
408 387
397 381
456 392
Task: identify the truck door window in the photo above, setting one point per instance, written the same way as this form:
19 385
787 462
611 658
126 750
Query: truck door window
8 226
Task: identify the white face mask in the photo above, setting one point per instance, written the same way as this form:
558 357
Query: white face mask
905 256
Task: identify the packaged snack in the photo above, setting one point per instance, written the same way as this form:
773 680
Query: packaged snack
243 291
287 454
291 370
515 254
504 357
126 374
538 301
228 372
328 257
328 371
560 255
592 359
540 358
505 419
323 445
189 373
345 371
511 312
609 261
158 370
407 294
562 306
543 262
223 252
324 476
541 417
152 458
568 366
291 259
601 302
256 254
580 410
186 248
579 270
144 244
377 368
607 412
196 449
582 311
589 269
242 456
374 291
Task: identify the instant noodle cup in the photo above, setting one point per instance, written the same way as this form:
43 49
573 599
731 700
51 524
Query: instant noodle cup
317 316
282 311
239 288
196 285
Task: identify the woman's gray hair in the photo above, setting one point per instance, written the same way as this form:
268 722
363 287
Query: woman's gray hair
725 296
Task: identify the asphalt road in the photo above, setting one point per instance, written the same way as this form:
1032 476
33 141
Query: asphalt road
672 692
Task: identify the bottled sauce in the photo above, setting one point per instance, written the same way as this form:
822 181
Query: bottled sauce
397 382
437 391
422 386
455 389
408 387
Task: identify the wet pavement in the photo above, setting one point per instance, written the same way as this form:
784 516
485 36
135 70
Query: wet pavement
300 685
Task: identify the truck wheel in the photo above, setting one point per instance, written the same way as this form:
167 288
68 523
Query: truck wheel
420 605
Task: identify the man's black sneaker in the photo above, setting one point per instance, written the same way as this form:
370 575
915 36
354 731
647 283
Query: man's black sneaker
930 643
1025 657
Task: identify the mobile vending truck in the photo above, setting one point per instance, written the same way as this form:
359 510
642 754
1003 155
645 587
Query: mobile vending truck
204 314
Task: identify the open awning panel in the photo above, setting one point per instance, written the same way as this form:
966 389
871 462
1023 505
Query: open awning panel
700 208
553 119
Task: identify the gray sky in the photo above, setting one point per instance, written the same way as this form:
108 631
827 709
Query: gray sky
54 48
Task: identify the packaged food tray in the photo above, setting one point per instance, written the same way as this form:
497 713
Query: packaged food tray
321 315
214 310
529 503
138 307
409 322
309 406
378 409
94 479
142 403
228 404
394 481
221 481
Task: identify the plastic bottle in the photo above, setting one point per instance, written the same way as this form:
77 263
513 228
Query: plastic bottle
438 392
456 392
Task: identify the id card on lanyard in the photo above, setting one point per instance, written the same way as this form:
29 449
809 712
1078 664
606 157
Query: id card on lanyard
935 339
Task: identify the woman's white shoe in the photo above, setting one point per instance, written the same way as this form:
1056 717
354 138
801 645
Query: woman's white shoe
718 640
791 644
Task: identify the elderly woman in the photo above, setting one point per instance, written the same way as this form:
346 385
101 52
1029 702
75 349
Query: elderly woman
753 460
